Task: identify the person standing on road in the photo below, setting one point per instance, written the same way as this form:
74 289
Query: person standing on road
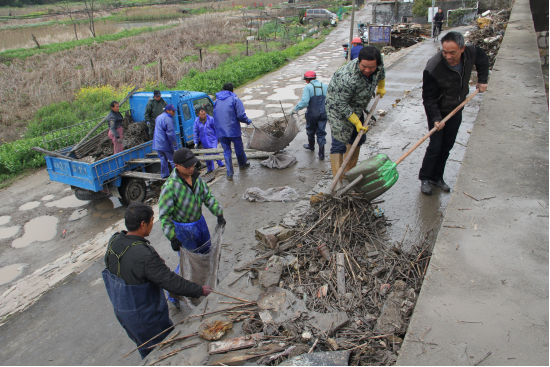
438 19
204 132
357 46
180 208
165 139
313 97
155 106
114 119
349 93
228 114
445 84
134 277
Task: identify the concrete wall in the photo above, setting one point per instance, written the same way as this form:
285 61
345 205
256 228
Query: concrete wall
384 12
542 41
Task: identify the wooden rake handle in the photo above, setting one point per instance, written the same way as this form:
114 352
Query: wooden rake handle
354 145
435 128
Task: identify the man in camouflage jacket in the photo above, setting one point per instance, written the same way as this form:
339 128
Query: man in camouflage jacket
349 93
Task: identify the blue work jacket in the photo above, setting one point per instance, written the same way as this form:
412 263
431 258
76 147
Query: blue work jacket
206 133
165 136
228 113
309 91
355 51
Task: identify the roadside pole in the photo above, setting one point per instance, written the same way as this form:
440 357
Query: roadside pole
351 28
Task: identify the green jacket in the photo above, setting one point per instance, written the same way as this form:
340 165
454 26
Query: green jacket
154 109
178 203
349 92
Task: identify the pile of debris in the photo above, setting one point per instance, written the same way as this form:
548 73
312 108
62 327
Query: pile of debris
490 32
276 128
405 36
336 262
135 133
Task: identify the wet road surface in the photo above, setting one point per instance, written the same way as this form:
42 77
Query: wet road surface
79 310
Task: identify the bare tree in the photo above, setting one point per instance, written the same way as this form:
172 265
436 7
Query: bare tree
66 6
89 8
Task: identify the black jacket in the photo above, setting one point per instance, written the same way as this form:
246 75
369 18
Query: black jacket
444 88
439 17
115 121
142 264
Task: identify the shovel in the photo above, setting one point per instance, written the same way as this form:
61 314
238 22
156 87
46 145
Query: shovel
378 174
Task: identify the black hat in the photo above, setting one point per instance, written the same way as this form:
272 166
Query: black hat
185 157
156 93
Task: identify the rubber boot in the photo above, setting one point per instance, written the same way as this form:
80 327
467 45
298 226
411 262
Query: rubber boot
335 164
321 152
310 145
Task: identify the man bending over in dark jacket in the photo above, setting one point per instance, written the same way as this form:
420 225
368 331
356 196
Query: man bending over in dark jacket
135 275
446 85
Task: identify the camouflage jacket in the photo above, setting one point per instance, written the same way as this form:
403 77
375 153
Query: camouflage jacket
349 92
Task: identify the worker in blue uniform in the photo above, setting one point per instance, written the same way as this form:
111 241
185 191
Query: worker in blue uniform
164 140
228 115
313 97
204 132
134 277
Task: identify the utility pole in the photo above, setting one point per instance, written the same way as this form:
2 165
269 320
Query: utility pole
351 28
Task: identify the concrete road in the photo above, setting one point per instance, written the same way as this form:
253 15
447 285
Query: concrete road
74 323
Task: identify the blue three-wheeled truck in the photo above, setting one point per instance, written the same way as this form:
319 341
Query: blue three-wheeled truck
124 174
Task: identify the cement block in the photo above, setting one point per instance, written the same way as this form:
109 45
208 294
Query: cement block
280 232
543 42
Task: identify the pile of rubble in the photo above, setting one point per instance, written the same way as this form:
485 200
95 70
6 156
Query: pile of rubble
406 35
336 265
491 27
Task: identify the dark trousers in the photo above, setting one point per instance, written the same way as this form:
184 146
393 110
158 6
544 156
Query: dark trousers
239 152
316 127
437 153
339 147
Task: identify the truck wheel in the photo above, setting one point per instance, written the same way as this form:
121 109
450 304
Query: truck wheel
87 195
132 190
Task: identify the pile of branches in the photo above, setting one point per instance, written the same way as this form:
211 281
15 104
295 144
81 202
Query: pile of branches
490 36
134 134
375 275
276 128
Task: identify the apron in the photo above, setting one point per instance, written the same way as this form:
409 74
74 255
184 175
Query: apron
316 108
141 309
194 235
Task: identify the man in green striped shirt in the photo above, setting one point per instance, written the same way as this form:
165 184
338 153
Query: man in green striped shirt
180 207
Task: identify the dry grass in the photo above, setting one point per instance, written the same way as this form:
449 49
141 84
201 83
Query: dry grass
22 37
44 79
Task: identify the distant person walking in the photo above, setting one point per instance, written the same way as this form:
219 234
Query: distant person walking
357 46
114 119
445 84
204 132
155 106
313 97
165 139
228 114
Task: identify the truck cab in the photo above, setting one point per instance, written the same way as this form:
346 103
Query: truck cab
187 109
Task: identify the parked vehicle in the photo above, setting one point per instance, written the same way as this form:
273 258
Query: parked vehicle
124 174
313 15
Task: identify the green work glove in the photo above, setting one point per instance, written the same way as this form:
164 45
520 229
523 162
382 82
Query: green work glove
358 125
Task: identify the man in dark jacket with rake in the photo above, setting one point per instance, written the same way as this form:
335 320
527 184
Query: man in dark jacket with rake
445 85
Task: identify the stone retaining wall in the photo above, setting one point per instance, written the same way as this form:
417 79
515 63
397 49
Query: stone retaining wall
542 40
